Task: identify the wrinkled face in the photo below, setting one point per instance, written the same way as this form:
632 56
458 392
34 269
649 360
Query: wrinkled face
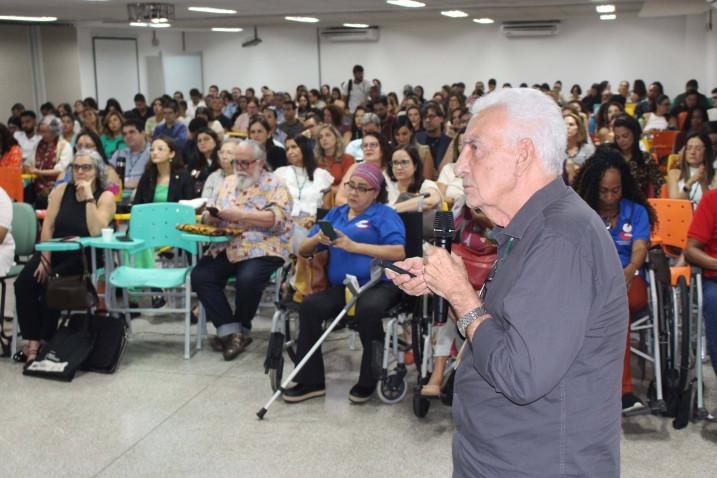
160 152
487 164
205 144
371 150
623 138
258 133
294 154
327 141
695 152
402 166
226 156
83 169
85 142
403 136
245 164
610 189
572 127
360 194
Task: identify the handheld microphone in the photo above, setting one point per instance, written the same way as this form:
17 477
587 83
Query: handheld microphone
443 230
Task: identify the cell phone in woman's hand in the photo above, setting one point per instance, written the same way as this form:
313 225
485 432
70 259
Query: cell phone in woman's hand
328 230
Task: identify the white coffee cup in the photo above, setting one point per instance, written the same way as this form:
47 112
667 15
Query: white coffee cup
107 234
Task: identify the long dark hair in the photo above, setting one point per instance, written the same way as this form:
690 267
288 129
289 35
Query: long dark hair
587 182
417 181
7 140
402 121
638 86
688 121
356 132
601 117
200 162
625 121
265 124
95 139
708 157
176 164
307 154
386 150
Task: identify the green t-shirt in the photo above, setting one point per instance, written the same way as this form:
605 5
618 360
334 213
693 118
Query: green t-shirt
112 145
161 192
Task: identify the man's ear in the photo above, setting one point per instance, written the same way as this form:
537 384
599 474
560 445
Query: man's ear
526 154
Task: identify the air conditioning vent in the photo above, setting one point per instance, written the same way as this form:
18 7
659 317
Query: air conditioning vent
526 29
341 34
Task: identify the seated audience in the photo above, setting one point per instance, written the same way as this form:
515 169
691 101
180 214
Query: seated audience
47 162
69 133
91 120
256 201
112 138
27 136
661 119
355 131
131 160
276 134
366 229
406 181
81 208
405 135
432 134
695 122
370 123
204 159
171 127
605 117
164 178
643 168
259 131
89 140
291 124
10 152
695 174
330 154
213 124
376 151
226 168
155 120
450 185
579 149
241 123
605 183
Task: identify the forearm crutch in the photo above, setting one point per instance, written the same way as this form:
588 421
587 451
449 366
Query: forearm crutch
356 293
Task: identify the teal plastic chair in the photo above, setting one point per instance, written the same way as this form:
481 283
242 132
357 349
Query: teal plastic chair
155 224
24 233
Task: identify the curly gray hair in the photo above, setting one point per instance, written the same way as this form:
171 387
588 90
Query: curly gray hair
54 124
99 165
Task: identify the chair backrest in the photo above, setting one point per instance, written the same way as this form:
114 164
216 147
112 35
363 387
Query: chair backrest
24 228
673 220
413 221
11 182
681 119
630 108
156 224
663 142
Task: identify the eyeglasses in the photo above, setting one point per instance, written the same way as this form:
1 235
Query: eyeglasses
400 163
369 145
82 167
244 163
360 188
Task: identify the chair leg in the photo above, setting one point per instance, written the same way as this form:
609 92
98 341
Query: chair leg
187 318
201 327
15 325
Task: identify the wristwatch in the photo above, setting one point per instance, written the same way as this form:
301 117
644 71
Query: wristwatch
469 318
685 189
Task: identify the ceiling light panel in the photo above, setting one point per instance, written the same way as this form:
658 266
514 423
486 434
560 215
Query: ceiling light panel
454 13
356 25
16 18
227 30
609 16
608 8
302 19
406 3
219 11
484 21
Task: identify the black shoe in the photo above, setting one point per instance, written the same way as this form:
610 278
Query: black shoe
299 392
359 394
630 403
158 301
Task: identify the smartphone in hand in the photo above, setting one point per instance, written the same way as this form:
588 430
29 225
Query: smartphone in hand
214 212
395 268
328 230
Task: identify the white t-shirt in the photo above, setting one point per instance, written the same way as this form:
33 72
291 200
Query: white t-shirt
393 192
454 184
354 149
7 247
655 122
359 93
27 145
306 194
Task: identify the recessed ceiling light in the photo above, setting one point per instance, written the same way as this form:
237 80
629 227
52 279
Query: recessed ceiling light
228 30
303 19
484 21
608 17
406 3
454 13
356 25
15 18
160 25
225 11
609 8
138 24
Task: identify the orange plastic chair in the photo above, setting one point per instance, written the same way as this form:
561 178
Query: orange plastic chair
681 119
11 182
663 142
673 220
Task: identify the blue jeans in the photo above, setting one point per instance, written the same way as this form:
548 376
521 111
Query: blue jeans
709 293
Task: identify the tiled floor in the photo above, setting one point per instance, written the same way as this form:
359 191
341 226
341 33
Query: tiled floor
162 416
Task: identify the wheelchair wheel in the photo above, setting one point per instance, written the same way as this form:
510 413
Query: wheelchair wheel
393 388
420 404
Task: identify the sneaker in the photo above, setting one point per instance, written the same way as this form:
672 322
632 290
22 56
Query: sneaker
360 394
233 345
299 392
630 403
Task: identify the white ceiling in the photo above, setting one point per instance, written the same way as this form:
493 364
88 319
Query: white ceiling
335 12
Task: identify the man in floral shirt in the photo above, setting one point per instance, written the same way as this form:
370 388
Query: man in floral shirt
256 202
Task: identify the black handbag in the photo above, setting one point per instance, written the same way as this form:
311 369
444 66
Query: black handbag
110 334
60 358
74 292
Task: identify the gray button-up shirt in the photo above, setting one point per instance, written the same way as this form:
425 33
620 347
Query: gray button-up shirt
538 391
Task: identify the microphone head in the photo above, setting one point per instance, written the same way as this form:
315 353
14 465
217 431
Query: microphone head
444 225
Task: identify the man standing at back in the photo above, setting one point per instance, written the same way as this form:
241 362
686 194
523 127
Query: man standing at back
432 135
537 390
355 91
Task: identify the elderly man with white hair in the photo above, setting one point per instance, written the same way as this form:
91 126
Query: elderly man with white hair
48 160
258 203
537 390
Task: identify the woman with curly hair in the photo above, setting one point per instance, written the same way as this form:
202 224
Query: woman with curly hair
643 168
606 184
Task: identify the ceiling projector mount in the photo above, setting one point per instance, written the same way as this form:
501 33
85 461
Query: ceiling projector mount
254 41
152 14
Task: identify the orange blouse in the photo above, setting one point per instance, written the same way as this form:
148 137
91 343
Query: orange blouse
338 168
12 159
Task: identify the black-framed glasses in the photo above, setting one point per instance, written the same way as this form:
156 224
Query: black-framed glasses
360 188
83 167
400 163
244 164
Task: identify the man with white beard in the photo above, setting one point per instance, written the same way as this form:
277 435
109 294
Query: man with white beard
258 203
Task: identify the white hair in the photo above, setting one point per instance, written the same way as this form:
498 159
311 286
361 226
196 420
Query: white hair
258 149
533 115
97 162
54 124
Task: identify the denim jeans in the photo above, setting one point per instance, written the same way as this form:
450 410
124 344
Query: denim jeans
709 293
